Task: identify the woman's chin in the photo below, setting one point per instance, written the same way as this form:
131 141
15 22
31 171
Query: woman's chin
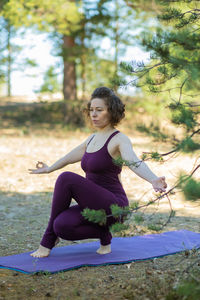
96 125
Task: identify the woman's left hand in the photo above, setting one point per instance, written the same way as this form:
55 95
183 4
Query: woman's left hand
159 184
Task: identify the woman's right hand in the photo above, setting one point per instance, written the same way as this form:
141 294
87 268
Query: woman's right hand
41 168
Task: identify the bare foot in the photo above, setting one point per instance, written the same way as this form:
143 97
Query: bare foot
43 251
104 249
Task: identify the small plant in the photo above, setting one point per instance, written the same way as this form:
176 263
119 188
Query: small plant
186 290
154 227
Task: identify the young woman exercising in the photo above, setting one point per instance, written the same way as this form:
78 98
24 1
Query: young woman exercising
102 186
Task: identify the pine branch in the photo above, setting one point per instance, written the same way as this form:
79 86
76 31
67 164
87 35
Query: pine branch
175 149
195 132
192 11
181 89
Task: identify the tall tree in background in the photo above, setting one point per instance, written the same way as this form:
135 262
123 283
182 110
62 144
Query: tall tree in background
112 20
66 20
6 50
49 16
80 25
122 32
89 39
9 54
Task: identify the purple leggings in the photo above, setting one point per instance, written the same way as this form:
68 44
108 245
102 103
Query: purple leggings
67 222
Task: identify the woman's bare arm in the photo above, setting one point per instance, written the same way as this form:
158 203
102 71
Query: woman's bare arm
139 167
72 157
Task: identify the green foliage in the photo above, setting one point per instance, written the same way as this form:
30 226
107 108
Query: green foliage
153 130
177 15
86 23
138 218
174 71
144 156
96 216
118 81
128 68
190 188
189 290
100 217
118 211
95 65
188 145
134 205
154 227
182 115
186 290
33 114
45 14
122 162
175 64
41 273
156 156
170 14
9 54
117 227
50 83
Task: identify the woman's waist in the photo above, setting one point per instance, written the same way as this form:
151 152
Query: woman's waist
111 183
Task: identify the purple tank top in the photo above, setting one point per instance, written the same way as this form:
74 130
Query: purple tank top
100 168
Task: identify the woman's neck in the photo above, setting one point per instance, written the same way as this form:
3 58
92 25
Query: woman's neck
105 130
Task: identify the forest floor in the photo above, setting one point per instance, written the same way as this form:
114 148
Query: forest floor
25 206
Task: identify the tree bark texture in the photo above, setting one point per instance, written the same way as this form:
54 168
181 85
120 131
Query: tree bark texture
69 78
9 61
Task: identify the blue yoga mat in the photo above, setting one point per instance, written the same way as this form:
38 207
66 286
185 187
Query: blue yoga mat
124 250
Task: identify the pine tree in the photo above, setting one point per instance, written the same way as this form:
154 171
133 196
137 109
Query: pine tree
174 70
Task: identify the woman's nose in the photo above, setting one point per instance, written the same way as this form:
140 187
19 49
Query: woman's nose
94 113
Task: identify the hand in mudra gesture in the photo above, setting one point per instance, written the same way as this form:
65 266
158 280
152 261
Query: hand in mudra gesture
41 168
159 184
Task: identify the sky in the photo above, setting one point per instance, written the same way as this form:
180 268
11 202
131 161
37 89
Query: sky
39 47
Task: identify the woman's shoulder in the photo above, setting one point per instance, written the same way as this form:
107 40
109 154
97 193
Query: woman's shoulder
121 137
88 139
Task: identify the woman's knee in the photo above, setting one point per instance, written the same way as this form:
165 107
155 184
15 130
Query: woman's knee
59 226
62 228
67 177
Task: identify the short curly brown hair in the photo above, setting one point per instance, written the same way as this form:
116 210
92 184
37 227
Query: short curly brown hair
114 104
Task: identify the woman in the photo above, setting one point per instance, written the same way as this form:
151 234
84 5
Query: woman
102 187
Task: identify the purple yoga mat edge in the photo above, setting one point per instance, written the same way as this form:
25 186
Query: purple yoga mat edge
98 264
90 265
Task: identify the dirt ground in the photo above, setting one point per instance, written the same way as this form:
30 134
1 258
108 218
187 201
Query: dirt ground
25 206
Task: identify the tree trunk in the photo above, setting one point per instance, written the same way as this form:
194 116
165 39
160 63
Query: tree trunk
83 63
69 79
117 40
9 61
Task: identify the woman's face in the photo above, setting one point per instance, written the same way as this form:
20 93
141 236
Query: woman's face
99 114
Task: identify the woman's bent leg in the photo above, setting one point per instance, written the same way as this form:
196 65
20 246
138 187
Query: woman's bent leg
60 202
70 225
86 193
